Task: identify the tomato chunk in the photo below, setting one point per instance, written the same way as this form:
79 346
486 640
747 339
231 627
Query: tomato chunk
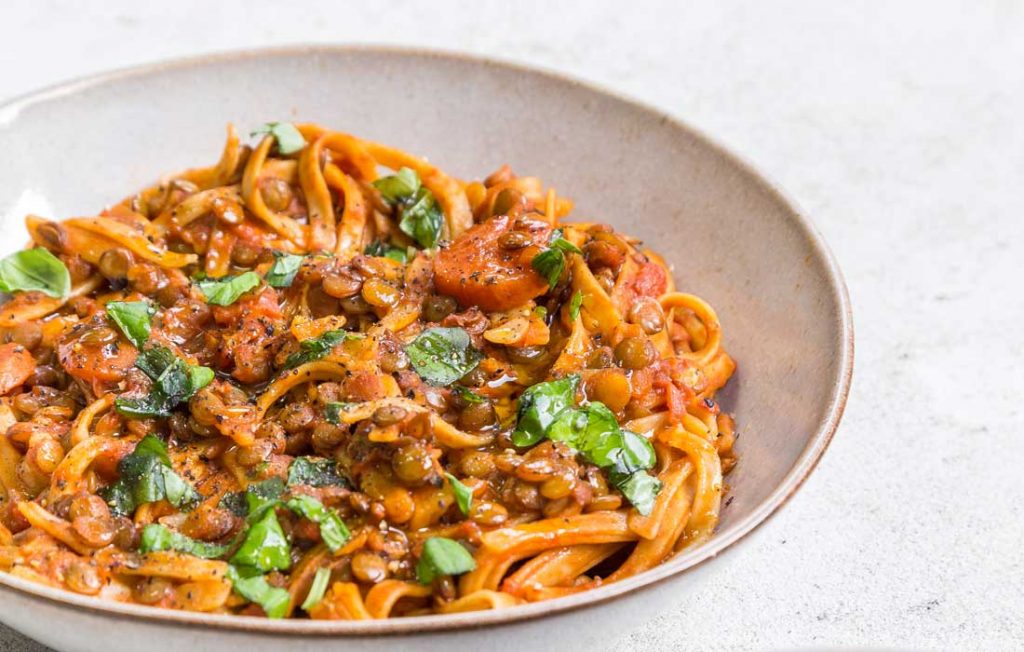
478 271
94 352
16 365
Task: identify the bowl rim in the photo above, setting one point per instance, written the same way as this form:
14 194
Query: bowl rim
686 561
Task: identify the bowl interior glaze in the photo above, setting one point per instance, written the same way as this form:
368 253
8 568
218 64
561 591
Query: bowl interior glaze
730 235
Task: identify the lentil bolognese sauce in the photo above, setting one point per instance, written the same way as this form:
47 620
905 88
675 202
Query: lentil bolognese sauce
293 385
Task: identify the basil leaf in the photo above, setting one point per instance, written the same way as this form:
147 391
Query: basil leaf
443 355
174 381
234 502
35 269
442 557
575 304
561 244
550 263
398 187
289 139
333 410
265 546
156 537
640 489
146 476
378 248
317 588
332 529
540 405
422 219
133 318
463 494
255 588
262 496
318 347
282 272
315 472
226 291
637 454
467 395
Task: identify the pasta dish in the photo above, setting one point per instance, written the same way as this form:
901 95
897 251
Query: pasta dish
324 379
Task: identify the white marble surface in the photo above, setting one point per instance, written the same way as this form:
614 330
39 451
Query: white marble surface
898 128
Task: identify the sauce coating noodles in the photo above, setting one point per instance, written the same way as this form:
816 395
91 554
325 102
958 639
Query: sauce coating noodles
323 378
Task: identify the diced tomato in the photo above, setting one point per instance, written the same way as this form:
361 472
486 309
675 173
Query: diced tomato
650 281
16 365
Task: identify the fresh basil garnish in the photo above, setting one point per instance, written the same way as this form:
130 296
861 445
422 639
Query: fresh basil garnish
548 410
133 318
575 304
35 269
253 586
318 347
463 495
174 381
156 537
540 405
317 588
443 355
315 472
442 557
333 410
550 263
332 529
146 476
378 248
265 546
282 273
420 217
289 138
640 489
226 291
467 395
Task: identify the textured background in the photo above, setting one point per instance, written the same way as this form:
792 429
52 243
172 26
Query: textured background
898 129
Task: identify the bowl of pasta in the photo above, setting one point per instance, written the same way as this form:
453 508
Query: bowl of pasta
349 344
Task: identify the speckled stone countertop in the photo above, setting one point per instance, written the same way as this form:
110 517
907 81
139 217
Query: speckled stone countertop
899 129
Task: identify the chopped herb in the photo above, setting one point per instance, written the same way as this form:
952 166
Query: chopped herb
548 410
541 312
332 529
265 546
156 537
333 410
575 304
318 347
463 494
234 502
550 263
226 291
174 381
35 269
420 217
284 269
317 588
314 472
442 557
146 476
378 248
398 187
133 318
467 395
443 355
289 139
540 405
253 586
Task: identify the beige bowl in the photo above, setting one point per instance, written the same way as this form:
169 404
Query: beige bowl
732 237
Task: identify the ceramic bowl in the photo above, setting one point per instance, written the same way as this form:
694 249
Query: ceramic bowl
731 236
